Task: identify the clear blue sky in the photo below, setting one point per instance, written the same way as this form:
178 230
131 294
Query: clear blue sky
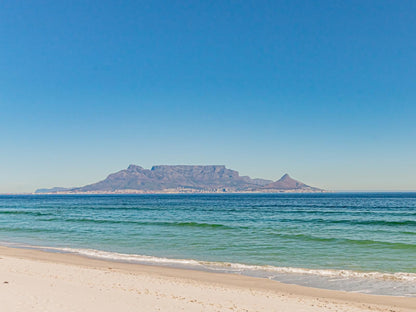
323 90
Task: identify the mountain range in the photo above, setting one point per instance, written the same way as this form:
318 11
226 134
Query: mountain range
184 179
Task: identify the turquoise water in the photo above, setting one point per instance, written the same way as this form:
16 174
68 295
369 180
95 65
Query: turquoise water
356 242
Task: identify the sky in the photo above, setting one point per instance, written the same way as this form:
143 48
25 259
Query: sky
322 90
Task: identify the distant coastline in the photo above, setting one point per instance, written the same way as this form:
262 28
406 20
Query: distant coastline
184 179
138 192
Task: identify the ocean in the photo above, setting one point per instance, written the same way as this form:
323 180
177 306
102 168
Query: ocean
359 242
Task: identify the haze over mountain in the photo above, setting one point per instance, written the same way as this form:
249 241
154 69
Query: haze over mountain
184 179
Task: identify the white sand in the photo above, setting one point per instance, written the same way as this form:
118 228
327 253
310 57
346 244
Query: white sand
39 281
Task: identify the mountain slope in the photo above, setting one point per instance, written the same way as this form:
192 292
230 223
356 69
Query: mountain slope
168 177
286 183
184 178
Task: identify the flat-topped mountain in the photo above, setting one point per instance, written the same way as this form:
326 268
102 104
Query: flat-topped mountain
184 179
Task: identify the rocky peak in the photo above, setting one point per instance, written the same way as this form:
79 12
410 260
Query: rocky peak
287 183
134 168
285 177
203 178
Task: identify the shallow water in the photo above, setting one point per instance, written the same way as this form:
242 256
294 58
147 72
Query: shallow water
323 240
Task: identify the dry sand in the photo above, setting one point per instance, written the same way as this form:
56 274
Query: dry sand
32 280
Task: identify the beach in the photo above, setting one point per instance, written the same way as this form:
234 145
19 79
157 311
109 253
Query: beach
33 280
207 156
348 242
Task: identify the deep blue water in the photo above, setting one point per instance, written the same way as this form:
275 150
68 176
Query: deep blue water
308 239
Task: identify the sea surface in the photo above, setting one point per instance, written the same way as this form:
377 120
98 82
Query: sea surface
363 242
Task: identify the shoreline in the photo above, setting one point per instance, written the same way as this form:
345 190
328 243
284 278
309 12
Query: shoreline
175 192
336 192
225 287
318 275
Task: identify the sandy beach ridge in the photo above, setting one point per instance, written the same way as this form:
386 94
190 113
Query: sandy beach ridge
33 280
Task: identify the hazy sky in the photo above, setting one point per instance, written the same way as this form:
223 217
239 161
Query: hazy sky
323 90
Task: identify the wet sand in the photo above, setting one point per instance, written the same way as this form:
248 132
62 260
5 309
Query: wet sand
33 280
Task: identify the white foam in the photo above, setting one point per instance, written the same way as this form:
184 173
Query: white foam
380 283
399 276
124 257
238 267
